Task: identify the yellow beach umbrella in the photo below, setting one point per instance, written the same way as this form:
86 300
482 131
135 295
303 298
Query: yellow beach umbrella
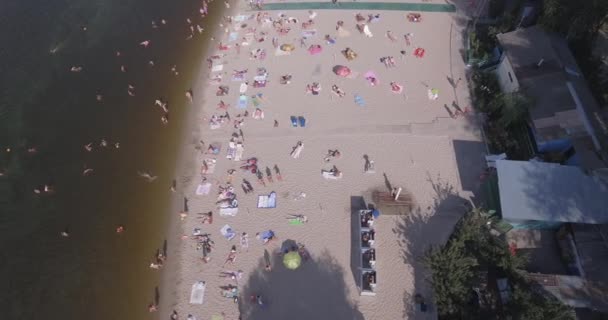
288 47
292 260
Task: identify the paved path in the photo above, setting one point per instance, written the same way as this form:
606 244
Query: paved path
388 6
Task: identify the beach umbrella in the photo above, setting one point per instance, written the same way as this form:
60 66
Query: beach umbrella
287 47
315 49
342 71
376 213
292 260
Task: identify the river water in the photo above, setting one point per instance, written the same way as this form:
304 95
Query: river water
95 273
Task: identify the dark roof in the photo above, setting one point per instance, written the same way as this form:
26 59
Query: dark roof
526 47
550 94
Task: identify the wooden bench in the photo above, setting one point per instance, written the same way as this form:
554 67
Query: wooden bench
386 199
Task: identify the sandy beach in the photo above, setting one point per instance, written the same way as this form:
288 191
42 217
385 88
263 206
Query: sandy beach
405 128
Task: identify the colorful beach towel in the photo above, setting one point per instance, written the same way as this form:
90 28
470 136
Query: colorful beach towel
359 100
242 103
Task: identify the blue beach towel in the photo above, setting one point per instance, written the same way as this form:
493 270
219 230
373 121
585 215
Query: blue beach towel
359 100
242 104
233 36
294 121
302 121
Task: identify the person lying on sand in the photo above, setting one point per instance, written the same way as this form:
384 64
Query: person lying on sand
295 153
336 90
332 154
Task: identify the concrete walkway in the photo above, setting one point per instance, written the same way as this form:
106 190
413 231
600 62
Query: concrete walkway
387 6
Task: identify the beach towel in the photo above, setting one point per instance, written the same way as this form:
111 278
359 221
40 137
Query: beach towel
217 317
208 166
433 94
329 175
197 295
203 189
266 235
238 156
231 152
217 68
239 18
248 39
279 52
256 100
243 88
367 32
227 232
242 103
296 152
267 201
238 77
295 222
233 36
308 33
302 121
228 212
359 100
294 121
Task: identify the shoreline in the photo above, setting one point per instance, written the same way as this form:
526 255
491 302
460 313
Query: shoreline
185 167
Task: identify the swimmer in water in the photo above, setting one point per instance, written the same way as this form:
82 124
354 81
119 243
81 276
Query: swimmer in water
189 94
123 68
145 44
89 147
120 229
65 233
75 69
87 171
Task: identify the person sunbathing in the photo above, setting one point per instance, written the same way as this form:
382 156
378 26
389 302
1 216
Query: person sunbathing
332 154
396 88
338 91
286 79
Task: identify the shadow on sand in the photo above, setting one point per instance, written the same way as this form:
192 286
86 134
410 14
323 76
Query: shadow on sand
316 290
423 228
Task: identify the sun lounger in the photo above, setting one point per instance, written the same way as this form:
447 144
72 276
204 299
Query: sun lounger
197 295
294 121
267 201
295 221
203 189
302 121
227 232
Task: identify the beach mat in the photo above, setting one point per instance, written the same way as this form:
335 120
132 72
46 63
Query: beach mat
233 36
227 232
242 103
197 295
295 222
203 189
228 212
267 201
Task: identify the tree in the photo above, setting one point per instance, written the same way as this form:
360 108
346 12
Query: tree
452 272
513 108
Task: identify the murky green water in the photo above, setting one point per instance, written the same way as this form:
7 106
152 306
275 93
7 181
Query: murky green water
95 273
